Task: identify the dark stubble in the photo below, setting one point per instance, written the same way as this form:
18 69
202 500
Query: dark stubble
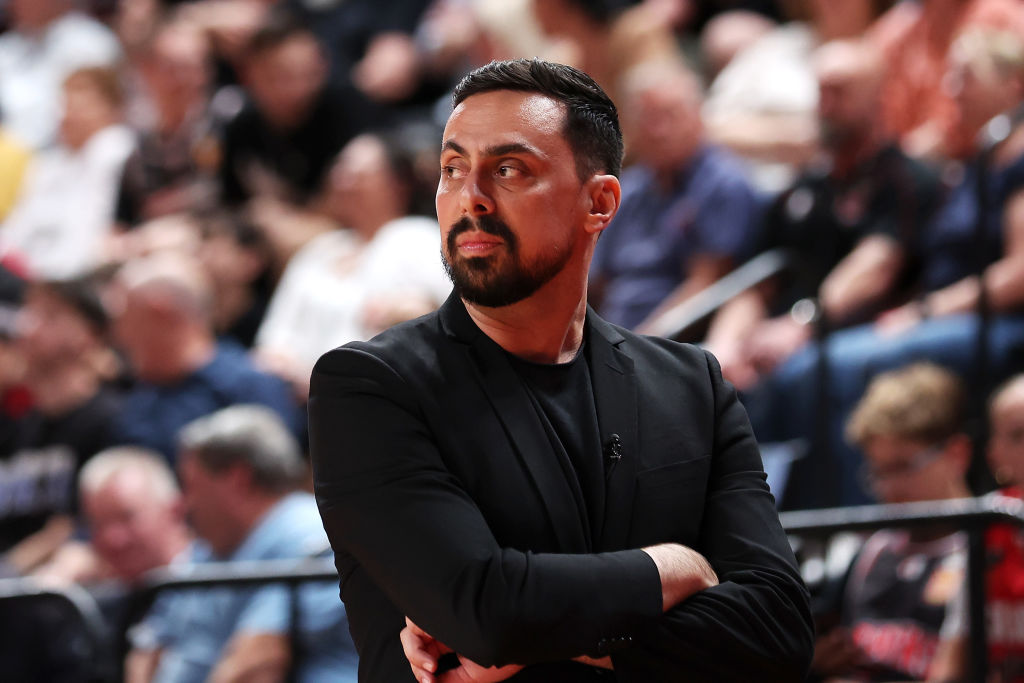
501 278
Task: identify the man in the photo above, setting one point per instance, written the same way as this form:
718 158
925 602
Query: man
897 592
282 142
528 484
163 324
239 469
687 214
849 219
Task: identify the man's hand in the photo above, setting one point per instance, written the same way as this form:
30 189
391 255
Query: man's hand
683 572
424 651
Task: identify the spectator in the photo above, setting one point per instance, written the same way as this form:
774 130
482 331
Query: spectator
941 324
894 602
849 222
172 170
239 468
687 211
182 373
282 142
915 40
48 40
1004 601
60 339
380 268
63 218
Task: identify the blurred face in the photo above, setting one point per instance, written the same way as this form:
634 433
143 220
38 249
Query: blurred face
139 332
49 329
205 494
130 526
361 180
662 123
903 471
1006 442
509 201
284 81
847 98
86 112
180 64
978 88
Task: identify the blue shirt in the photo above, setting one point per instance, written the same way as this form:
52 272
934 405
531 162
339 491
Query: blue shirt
192 627
642 256
153 414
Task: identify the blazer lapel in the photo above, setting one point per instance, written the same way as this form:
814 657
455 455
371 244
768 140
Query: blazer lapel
615 396
526 433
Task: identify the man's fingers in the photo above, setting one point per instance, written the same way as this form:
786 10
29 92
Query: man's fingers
421 653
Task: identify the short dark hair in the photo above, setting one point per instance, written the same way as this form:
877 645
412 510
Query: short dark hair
591 122
278 27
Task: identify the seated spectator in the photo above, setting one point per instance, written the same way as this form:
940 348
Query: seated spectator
915 39
65 212
897 590
173 168
162 322
282 142
239 469
380 267
762 103
942 324
849 223
60 335
1004 604
48 40
687 211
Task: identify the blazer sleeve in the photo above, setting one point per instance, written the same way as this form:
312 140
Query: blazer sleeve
756 624
389 502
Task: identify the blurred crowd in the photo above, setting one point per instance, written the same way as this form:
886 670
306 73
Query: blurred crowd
198 198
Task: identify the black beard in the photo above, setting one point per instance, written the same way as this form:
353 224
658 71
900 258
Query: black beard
498 279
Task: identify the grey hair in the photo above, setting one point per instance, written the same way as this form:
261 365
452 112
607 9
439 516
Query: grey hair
105 465
248 434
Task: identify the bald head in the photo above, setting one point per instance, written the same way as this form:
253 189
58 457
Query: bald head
170 281
661 113
849 76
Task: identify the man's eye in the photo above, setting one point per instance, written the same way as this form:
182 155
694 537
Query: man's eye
449 171
508 171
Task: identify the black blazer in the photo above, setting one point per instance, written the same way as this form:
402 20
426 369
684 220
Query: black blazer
445 501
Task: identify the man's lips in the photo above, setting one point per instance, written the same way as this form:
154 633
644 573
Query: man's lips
477 242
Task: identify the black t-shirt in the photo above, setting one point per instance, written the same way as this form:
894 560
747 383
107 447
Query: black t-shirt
821 218
39 465
563 396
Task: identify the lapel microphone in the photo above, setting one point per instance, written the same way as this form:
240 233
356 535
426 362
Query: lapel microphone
613 448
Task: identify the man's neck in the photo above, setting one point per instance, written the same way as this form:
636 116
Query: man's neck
246 515
545 328
855 150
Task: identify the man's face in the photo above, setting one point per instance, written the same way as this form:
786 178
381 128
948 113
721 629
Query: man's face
1006 444
510 202
205 493
129 525
286 80
904 471
662 124
49 329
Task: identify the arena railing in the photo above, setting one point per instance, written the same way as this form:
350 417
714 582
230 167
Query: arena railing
972 515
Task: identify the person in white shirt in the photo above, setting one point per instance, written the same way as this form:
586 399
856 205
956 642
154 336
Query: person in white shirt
48 41
63 217
349 284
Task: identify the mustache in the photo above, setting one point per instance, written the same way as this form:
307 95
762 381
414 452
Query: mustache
487 223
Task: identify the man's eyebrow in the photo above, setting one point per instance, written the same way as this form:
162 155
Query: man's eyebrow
495 151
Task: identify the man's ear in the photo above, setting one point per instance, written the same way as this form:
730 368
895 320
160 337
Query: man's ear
604 193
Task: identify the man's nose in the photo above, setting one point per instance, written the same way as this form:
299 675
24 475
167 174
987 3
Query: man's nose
476 195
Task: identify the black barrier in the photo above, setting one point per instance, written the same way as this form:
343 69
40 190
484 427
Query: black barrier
974 515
